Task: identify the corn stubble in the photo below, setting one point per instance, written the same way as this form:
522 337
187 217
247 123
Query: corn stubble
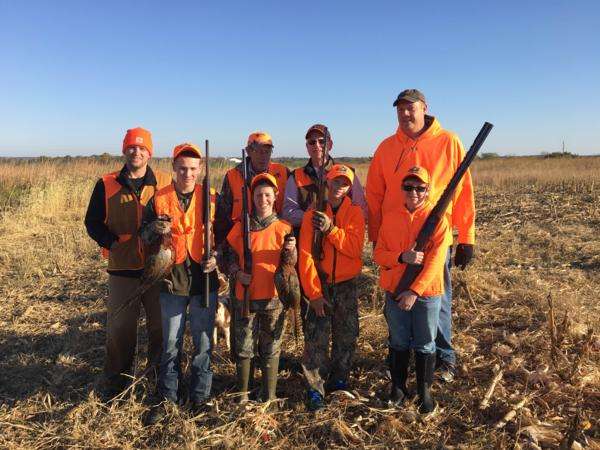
526 321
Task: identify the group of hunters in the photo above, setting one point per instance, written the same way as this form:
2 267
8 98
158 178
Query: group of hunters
408 173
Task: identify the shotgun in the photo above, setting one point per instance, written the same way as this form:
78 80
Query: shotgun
207 246
246 234
437 213
320 205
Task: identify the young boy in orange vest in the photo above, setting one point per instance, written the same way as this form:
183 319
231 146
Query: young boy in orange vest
412 315
269 236
329 284
181 293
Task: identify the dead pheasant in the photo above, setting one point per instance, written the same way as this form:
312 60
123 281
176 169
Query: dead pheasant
160 257
288 287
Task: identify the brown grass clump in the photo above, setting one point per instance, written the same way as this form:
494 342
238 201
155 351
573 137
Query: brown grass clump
526 320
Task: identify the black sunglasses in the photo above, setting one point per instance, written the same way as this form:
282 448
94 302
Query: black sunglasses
410 188
314 141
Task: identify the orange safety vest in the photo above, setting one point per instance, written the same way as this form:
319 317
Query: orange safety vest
187 228
266 246
124 218
236 182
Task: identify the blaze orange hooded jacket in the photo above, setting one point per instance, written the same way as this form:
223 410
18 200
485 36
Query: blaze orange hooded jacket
437 150
398 234
342 248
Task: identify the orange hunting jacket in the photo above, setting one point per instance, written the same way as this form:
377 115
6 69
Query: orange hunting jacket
266 246
398 234
437 150
342 248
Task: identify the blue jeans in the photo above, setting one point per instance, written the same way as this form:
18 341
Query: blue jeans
174 310
414 329
443 340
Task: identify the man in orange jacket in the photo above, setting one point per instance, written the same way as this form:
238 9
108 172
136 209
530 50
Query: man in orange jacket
421 141
181 293
113 218
412 315
269 236
329 283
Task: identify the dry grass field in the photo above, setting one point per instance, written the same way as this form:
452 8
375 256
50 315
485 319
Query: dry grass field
526 314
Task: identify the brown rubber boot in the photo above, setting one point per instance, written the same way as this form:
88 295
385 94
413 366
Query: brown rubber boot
270 369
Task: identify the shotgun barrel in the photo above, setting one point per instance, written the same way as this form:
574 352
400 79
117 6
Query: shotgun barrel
246 233
437 213
207 226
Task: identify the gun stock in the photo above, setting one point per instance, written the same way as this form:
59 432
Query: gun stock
437 213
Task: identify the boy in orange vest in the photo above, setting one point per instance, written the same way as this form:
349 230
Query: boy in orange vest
269 236
330 286
181 293
412 316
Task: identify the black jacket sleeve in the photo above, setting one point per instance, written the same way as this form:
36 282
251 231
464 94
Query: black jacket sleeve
95 217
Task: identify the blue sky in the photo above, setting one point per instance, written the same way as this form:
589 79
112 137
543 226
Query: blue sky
74 75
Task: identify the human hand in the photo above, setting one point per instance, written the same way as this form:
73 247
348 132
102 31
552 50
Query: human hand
321 221
209 265
406 300
289 243
243 277
463 255
318 306
412 257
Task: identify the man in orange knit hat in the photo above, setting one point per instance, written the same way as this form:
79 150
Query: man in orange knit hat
421 141
113 219
181 293
330 286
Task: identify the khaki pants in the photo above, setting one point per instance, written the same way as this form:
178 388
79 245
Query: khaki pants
121 330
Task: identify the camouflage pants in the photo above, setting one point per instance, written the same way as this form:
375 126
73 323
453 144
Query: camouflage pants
341 321
264 326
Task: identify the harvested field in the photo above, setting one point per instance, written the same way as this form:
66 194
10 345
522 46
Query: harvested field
526 330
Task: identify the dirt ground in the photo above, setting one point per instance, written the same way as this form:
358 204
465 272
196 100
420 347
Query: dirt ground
526 313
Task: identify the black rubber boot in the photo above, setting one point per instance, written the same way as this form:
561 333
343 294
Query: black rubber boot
399 361
270 369
425 365
243 378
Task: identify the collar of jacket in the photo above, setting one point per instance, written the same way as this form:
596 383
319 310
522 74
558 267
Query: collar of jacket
310 170
251 172
432 129
425 208
149 177
257 224
342 206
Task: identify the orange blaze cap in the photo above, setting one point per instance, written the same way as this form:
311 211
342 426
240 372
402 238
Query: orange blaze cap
340 170
417 172
138 137
265 176
260 137
186 147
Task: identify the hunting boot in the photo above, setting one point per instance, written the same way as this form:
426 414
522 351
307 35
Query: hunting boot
399 361
425 365
270 368
243 378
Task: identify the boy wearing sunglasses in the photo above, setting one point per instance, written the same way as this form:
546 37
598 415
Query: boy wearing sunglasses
413 315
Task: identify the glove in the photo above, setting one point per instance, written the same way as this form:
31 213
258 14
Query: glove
321 221
463 255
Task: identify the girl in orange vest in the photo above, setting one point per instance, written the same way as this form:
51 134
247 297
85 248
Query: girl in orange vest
412 315
181 293
269 235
